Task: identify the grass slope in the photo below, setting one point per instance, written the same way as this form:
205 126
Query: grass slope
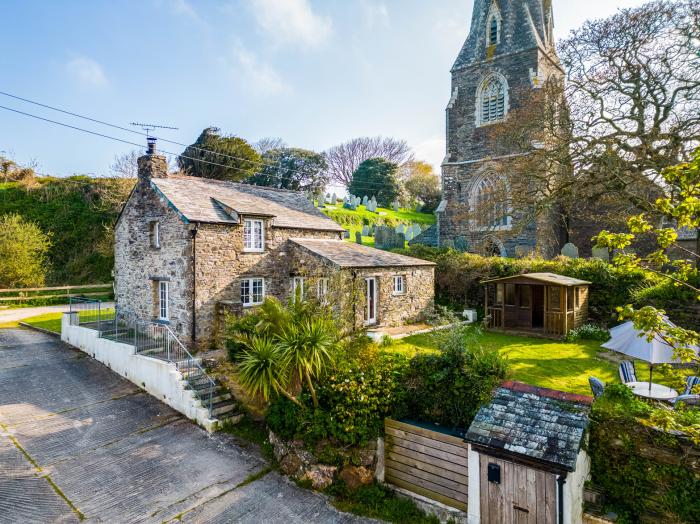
79 213
354 220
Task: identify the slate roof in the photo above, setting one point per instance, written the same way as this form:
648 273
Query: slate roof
218 201
546 278
541 424
347 254
429 237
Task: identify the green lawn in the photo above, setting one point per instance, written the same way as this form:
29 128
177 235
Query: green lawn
554 364
52 321
353 220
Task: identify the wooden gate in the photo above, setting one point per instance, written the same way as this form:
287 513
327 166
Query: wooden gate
521 495
426 462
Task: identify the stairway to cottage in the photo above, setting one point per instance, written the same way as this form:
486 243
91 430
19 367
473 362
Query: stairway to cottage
163 345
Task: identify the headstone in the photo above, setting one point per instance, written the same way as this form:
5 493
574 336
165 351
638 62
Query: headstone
601 253
365 200
399 228
409 234
346 234
569 250
358 237
374 202
416 230
419 208
334 199
395 206
387 238
365 230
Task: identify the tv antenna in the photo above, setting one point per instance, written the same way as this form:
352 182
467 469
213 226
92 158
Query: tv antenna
151 127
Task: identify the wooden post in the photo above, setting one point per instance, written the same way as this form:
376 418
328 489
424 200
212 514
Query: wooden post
565 309
486 304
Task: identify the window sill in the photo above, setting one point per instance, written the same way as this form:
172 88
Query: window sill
254 304
163 321
253 251
490 123
395 294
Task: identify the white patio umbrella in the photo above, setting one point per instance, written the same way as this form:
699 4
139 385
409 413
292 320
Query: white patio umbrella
632 342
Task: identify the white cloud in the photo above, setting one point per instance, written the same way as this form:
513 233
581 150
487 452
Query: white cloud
87 71
256 76
432 151
376 14
292 21
183 8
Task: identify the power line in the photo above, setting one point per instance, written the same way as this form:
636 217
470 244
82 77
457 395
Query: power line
102 135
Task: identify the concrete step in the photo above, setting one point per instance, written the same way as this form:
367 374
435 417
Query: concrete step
225 407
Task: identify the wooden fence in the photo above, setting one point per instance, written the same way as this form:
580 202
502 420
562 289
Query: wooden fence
50 293
428 463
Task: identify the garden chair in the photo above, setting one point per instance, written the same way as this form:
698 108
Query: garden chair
627 372
686 400
597 386
690 384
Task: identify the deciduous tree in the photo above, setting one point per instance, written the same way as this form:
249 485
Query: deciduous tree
291 168
376 177
422 184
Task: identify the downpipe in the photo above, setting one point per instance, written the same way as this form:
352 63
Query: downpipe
561 480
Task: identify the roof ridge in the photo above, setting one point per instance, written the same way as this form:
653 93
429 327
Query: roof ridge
231 183
555 394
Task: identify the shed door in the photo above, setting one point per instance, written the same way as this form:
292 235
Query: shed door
524 495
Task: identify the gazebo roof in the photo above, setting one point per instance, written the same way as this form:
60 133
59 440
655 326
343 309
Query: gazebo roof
544 278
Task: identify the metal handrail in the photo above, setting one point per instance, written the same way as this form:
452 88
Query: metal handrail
152 339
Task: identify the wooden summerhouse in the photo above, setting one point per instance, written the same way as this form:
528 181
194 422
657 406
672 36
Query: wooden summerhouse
544 303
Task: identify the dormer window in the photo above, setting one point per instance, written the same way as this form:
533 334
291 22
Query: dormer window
253 235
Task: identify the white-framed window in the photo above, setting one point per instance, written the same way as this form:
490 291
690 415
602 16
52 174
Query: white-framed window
490 203
399 284
322 290
492 100
253 235
297 288
163 299
154 230
252 291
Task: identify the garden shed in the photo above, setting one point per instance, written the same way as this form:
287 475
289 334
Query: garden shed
526 462
547 303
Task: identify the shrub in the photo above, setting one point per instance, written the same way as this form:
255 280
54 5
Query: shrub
24 251
449 388
588 332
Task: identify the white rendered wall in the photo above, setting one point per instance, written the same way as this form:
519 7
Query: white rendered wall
473 506
573 490
159 378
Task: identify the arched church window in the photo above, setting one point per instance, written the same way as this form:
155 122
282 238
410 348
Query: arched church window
493 100
490 203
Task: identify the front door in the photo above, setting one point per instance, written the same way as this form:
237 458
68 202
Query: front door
537 307
371 301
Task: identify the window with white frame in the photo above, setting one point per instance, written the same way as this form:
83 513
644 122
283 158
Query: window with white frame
297 288
399 284
492 100
322 290
252 291
490 203
163 299
155 234
253 235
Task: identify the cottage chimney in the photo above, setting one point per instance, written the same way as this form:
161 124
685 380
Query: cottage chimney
152 165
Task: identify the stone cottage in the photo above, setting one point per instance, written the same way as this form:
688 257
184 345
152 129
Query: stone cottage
188 249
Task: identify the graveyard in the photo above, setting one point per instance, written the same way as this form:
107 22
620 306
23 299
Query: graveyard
362 215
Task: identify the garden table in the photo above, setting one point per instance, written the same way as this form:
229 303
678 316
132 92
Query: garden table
652 390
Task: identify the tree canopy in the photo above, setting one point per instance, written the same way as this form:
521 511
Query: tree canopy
23 253
422 184
291 168
344 159
376 177
220 157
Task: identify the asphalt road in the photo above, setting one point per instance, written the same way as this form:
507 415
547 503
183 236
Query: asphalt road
78 441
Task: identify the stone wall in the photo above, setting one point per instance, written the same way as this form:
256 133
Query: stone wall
138 265
221 264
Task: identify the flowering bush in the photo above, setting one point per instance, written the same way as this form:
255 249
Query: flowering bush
588 332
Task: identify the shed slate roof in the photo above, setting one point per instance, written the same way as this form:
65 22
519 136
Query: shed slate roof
546 278
347 254
537 423
218 201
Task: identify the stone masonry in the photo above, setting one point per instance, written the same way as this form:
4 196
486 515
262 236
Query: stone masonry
522 59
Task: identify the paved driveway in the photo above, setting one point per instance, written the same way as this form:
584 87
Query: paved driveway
78 440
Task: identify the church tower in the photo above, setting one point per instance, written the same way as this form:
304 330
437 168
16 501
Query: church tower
509 53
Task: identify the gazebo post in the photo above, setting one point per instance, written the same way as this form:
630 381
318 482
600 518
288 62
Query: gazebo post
486 303
565 309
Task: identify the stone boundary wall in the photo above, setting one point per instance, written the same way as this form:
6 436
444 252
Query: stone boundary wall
158 378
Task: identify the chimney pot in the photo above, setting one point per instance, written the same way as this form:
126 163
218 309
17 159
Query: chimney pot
151 141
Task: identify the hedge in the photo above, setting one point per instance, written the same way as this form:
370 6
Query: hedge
458 278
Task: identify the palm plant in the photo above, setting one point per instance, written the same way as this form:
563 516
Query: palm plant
308 348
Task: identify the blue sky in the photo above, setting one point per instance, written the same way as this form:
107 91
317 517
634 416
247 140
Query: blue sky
312 72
